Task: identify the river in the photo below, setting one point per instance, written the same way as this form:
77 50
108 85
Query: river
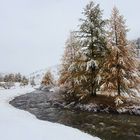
105 126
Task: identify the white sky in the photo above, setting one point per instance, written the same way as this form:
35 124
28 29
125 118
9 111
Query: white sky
33 32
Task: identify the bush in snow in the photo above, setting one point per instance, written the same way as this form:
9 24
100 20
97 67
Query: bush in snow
7 85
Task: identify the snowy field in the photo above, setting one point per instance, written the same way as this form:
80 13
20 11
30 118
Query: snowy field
20 125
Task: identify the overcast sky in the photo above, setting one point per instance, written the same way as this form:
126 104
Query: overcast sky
33 32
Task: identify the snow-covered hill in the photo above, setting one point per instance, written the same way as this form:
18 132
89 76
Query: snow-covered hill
38 75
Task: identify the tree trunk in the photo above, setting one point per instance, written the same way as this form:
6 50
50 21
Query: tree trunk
119 91
93 84
118 77
118 67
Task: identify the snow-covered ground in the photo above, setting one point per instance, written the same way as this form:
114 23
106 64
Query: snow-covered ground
20 125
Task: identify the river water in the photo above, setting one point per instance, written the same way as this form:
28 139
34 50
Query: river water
105 126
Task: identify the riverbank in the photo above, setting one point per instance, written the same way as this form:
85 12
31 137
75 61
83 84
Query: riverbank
108 104
100 103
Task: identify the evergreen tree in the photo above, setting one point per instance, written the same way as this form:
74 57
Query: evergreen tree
120 69
93 45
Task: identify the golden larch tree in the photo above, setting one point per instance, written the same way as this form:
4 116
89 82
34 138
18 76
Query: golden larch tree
120 74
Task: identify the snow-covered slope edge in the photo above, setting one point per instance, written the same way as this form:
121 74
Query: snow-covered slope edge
39 74
20 125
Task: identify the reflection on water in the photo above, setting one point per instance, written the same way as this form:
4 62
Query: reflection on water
105 126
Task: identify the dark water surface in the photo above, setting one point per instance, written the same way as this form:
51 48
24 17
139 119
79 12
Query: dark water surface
105 126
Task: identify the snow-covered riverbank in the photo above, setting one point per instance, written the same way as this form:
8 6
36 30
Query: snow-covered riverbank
20 125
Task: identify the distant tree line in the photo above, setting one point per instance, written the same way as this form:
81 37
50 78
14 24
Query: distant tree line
14 78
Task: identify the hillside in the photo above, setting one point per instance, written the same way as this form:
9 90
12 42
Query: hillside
38 75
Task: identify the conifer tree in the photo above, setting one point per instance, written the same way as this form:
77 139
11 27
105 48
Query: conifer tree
18 77
93 45
11 77
120 73
24 81
48 79
68 72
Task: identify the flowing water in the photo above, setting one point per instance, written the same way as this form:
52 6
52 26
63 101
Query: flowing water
105 126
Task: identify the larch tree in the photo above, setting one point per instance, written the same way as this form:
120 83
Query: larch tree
68 66
93 45
48 79
120 73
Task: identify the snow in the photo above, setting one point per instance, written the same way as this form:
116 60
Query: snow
118 101
17 124
39 74
84 48
72 67
91 64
